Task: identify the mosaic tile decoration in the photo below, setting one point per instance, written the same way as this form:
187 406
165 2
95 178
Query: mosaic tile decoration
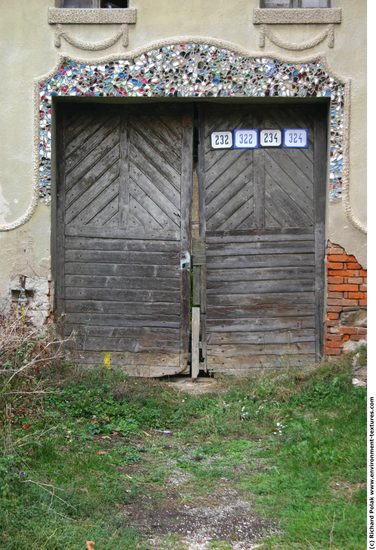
194 70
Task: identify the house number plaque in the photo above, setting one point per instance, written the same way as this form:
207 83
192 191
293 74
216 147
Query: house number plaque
295 138
221 140
246 139
270 138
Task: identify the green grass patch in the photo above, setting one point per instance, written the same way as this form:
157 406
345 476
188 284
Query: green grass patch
94 442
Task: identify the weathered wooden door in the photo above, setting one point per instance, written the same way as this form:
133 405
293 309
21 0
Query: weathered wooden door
262 219
123 207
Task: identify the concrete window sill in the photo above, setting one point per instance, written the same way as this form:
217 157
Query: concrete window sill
101 16
298 16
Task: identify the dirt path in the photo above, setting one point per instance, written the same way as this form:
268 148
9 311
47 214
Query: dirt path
222 516
184 519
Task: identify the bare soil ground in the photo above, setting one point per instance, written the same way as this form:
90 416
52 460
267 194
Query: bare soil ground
199 386
222 516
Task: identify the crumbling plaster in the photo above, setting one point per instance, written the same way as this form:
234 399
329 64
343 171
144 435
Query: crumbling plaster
26 252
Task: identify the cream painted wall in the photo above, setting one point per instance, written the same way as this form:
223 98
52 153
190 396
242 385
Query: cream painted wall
28 51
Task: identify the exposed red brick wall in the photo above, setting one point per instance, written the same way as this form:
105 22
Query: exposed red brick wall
346 300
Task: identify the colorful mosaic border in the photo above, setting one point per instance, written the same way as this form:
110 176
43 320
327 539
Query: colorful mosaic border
194 70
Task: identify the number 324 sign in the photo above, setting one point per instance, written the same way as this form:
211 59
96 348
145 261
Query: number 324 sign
295 137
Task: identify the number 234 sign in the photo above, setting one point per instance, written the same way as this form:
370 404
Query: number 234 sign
252 138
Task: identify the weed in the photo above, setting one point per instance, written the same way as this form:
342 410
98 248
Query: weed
362 355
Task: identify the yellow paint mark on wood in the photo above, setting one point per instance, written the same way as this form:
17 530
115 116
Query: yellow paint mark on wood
107 360
23 314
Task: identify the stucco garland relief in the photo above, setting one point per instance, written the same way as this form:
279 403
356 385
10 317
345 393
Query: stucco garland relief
174 62
91 46
266 32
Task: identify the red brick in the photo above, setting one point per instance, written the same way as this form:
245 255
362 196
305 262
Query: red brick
333 315
337 280
347 330
334 337
345 337
357 337
363 273
341 258
333 252
333 344
363 288
334 265
335 295
357 295
353 266
343 287
334 308
363 302
355 280
344 272
343 302
353 330
331 323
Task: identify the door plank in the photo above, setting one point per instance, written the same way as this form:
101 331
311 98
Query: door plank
108 281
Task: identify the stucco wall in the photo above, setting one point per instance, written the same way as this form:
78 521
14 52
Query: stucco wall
27 45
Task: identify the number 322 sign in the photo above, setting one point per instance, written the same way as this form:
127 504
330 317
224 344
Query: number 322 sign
246 139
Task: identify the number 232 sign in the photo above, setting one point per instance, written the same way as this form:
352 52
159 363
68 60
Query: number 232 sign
221 140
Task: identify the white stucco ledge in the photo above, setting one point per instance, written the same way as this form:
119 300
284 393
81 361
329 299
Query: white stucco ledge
299 16
101 16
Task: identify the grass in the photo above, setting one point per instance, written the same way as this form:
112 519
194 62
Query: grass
75 455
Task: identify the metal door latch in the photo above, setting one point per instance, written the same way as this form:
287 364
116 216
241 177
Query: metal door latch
185 260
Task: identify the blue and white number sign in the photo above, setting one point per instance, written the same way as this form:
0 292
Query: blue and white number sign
295 138
246 139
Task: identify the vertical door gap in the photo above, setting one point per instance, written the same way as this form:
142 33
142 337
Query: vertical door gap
198 255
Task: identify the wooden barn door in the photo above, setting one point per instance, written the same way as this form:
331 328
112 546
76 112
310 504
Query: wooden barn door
123 206
262 220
